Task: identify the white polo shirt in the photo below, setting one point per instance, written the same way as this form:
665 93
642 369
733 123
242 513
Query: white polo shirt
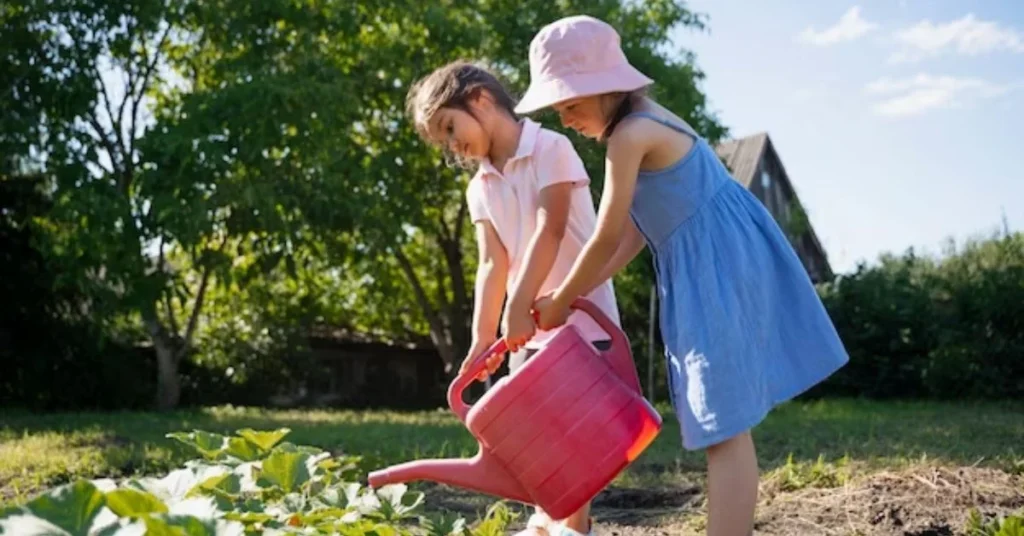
509 199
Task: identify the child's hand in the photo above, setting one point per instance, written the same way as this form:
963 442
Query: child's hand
478 347
550 312
518 328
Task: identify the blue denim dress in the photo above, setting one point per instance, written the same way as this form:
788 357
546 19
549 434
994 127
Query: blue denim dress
744 328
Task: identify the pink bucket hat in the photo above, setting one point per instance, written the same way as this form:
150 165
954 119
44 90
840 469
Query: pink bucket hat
577 56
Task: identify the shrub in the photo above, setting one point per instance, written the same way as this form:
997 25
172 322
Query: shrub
916 327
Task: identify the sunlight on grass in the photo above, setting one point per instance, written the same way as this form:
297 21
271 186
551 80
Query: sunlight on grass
818 474
800 444
35 460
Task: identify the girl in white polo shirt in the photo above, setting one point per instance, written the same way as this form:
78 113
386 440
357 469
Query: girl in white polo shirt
532 209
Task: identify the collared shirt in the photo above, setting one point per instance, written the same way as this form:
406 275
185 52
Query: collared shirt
510 198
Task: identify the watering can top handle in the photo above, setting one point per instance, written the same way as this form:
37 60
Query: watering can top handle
479 363
614 332
464 379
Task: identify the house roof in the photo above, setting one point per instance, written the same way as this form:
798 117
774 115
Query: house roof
742 155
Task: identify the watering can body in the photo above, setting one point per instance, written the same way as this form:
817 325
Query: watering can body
555 432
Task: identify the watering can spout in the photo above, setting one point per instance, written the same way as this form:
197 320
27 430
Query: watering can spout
482 473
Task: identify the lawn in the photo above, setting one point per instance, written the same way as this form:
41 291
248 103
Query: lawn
819 444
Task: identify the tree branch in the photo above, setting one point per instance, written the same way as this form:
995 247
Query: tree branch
442 292
125 156
451 246
454 256
442 228
171 316
437 333
115 123
137 99
104 141
460 220
460 317
197 305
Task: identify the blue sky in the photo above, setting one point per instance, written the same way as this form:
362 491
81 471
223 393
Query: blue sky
900 122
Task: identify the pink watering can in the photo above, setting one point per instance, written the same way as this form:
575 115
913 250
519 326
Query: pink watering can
554 433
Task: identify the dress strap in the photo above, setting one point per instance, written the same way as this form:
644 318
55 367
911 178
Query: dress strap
680 127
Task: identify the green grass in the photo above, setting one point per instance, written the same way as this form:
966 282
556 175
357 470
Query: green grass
805 442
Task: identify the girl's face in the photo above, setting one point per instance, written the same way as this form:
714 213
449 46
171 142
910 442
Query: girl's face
585 115
460 132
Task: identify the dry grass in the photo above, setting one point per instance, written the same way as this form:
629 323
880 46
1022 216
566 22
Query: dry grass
922 500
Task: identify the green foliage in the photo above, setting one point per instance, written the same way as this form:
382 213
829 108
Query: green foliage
224 177
55 352
797 223
286 489
408 261
819 474
128 502
72 507
949 328
977 525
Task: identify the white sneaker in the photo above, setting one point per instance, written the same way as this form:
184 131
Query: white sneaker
540 523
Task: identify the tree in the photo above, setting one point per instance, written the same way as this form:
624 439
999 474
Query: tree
408 216
420 214
83 71
178 137
139 160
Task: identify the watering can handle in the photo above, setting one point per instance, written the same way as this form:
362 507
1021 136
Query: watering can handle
620 354
623 366
468 376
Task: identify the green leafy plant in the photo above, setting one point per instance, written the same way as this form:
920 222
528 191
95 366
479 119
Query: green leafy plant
820 474
977 525
249 483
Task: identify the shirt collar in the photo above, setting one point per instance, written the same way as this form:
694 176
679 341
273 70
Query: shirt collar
527 142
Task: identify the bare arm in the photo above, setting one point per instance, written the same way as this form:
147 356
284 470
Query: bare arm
492 269
595 263
552 215
630 246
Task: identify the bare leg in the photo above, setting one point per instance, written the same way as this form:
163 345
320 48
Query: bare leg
732 486
579 521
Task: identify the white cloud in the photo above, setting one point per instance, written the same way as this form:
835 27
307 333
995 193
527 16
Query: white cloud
850 27
922 93
967 36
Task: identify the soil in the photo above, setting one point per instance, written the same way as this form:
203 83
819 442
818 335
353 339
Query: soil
923 501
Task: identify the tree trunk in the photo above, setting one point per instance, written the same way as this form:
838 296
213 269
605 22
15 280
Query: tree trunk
168 384
460 312
168 387
171 347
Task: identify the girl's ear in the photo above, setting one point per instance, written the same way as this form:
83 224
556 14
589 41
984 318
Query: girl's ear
479 99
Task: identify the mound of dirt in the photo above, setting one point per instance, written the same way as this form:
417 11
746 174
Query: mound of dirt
924 501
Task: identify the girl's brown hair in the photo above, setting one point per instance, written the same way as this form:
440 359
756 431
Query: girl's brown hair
625 107
453 86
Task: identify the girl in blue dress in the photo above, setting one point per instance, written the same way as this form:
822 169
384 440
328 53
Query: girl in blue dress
743 327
